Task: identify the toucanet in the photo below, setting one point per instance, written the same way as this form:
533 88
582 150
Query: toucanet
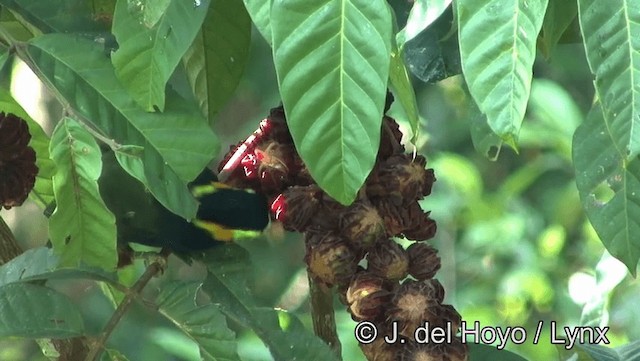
224 213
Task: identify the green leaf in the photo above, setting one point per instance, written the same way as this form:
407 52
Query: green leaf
217 58
590 352
153 36
332 60
609 187
64 16
79 71
498 47
485 141
560 14
42 192
260 12
609 273
228 267
399 79
82 229
204 324
34 311
11 25
423 13
433 54
482 352
43 264
611 32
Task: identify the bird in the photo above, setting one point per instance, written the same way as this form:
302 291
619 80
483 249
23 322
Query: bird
224 213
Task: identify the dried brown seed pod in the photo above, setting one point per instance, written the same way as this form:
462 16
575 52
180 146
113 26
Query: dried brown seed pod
409 220
379 350
421 352
389 260
390 139
370 306
451 316
424 261
275 165
18 168
330 258
363 284
296 207
401 179
416 303
362 225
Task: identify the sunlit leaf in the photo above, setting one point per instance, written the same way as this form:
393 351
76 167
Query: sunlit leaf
37 312
609 187
611 32
82 229
485 141
81 73
609 273
332 60
423 13
42 192
153 36
433 54
217 58
498 47
403 89
202 323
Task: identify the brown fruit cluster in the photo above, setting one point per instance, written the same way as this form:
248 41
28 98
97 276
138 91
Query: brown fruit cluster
17 161
352 247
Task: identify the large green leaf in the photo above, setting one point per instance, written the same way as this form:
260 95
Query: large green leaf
403 88
82 229
79 71
43 264
423 13
13 27
152 37
32 311
79 16
590 352
204 324
332 60
226 284
433 54
498 46
260 11
560 14
611 32
42 192
609 187
217 58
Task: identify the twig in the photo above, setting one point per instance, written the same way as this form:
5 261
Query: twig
323 315
152 270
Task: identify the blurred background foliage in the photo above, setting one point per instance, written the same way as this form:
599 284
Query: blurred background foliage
516 247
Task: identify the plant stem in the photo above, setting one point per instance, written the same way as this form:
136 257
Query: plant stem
323 315
6 37
9 248
152 270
